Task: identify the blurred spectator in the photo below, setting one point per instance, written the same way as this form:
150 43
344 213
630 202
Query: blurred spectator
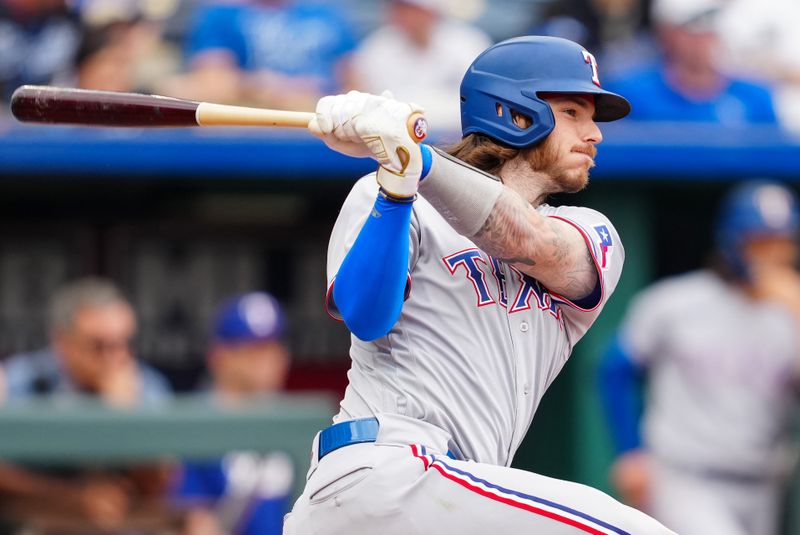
720 352
274 53
420 54
122 48
614 28
765 42
2 386
92 327
91 330
38 43
245 493
687 84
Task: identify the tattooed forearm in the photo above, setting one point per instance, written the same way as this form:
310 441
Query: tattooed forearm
581 281
507 232
547 249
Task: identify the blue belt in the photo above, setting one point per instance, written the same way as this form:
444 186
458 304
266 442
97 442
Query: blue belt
346 434
349 433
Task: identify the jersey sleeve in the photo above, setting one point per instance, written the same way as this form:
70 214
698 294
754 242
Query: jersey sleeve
352 216
605 246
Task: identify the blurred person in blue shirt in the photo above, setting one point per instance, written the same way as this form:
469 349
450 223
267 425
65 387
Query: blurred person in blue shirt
687 84
39 41
90 356
765 41
276 53
244 493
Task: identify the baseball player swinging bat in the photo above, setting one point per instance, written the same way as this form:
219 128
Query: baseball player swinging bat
61 105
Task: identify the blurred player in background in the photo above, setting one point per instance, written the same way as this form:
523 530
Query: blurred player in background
464 302
430 52
275 53
90 356
720 351
245 493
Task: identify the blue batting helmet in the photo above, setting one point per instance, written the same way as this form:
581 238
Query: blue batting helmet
512 74
758 208
251 317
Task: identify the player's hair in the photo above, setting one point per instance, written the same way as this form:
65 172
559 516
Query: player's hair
67 300
483 153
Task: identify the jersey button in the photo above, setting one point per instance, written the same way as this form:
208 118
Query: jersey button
524 326
526 389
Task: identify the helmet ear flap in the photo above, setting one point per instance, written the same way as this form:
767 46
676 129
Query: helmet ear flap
516 124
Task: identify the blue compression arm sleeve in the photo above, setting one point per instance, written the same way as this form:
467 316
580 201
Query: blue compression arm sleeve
370 285
427 160
620 382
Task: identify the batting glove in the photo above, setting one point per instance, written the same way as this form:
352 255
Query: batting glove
334 122
360 124
384 128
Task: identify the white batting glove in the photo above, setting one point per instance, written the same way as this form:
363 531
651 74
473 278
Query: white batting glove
334 122
360 124
384 128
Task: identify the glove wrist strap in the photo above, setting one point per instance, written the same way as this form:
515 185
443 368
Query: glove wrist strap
394 198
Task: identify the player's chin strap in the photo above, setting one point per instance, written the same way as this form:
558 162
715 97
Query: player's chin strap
463 194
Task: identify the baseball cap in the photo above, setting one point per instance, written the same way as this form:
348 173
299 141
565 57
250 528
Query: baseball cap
693 14
252 317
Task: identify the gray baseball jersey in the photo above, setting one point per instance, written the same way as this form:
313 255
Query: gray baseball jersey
720 365
478 342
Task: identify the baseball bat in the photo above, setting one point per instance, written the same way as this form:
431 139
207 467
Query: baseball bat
63 105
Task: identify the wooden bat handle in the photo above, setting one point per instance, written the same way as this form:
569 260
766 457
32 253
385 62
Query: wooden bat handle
209 114
65 105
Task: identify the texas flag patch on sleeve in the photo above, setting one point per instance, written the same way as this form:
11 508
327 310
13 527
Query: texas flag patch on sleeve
605 244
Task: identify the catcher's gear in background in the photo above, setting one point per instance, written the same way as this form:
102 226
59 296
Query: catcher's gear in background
511 76
758 208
